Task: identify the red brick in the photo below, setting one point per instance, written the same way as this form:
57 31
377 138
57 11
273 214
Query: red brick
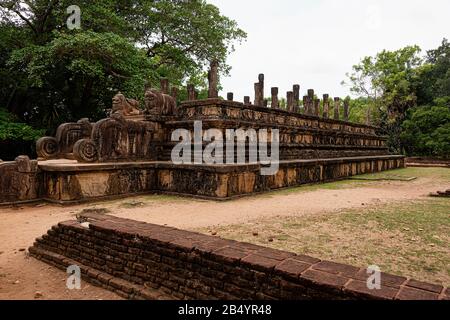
210 246
360 289
229 254
274 254
387 279
407 293
104 278
424 286
320 278
336 268
307 259
292 268
258 262
186 245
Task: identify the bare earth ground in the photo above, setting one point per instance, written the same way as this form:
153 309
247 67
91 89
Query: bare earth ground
327 221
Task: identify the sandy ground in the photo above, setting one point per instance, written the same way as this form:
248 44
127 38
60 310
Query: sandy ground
21 277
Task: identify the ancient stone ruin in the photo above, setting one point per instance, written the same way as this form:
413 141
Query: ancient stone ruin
138 260
129 152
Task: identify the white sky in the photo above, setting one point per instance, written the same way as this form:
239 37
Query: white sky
315 42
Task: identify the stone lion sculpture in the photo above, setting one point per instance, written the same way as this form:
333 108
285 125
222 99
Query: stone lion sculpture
157 103
125 106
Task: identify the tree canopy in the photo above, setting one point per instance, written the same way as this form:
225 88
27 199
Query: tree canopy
398 89
51 74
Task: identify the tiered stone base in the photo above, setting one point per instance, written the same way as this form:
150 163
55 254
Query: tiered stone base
145 261
70 182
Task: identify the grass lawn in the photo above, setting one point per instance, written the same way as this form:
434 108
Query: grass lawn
442 174
405 238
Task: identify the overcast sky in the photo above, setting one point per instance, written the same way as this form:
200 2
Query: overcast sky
315 42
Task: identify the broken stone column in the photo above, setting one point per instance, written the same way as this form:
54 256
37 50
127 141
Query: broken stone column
346 109
316 107
310 101
305 104
230 96
290 101
326 106
274 103
259 91
191 92
174 92
337 104
25 165
247 100
266 103
165 85
213 79
296 90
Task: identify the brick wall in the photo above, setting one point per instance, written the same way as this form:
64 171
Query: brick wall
145 261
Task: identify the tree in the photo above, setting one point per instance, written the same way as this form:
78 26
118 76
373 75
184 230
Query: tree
426 131
434 80
387 82
52 74
15 136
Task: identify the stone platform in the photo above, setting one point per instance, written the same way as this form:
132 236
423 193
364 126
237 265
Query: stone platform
68 181
138 260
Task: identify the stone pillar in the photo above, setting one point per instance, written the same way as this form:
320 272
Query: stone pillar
316 107
296 90
326 106
259 91
265 103
164 85
174 93
230 96
337 104
191 92
305 104
290 101
310 101
213 79
346 109
274 103
247 100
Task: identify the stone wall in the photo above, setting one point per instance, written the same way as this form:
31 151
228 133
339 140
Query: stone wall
20 180
75 182
145 261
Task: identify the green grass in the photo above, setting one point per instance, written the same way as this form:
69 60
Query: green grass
442 174
411 239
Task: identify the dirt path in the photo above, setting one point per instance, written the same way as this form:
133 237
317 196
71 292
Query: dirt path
21 277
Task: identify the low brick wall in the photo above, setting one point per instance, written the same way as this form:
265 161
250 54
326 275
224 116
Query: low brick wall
145 261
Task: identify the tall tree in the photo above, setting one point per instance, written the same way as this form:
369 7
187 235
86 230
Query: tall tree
56 74
434 81
387 81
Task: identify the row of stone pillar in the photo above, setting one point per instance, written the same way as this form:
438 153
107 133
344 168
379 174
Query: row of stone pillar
311 105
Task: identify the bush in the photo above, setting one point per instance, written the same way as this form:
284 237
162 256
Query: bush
426 131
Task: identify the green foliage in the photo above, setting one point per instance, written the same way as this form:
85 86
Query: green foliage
386 80
434 80
392 84
50 74
10 130
427 130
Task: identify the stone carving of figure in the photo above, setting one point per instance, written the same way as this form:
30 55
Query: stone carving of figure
160 104
125 106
